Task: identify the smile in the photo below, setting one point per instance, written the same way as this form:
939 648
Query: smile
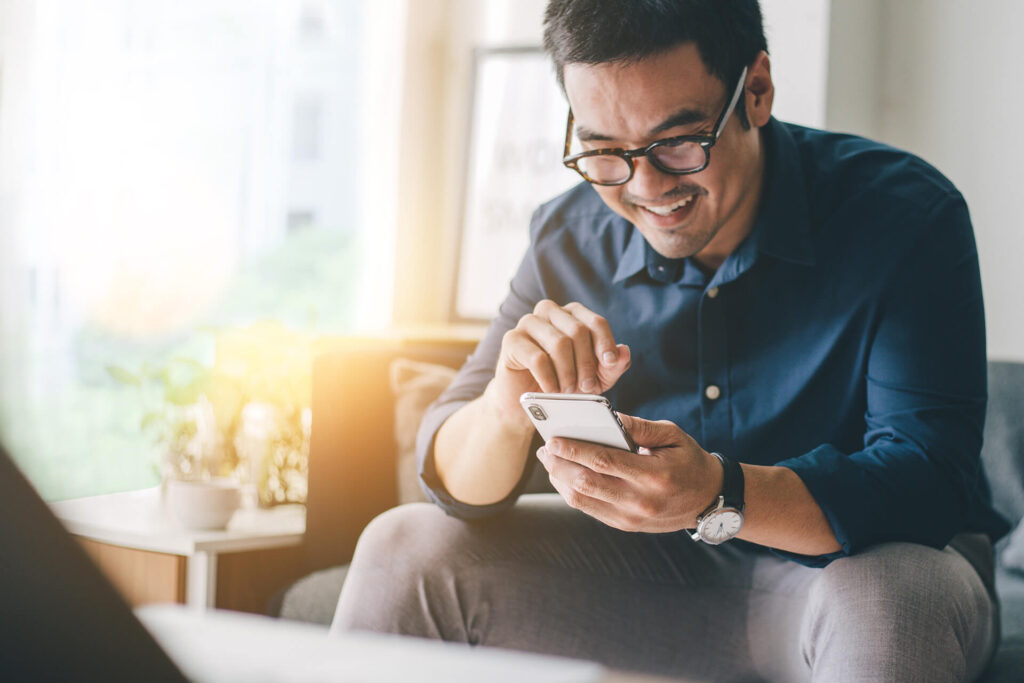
669 209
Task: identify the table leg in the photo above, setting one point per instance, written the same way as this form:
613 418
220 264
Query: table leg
201 581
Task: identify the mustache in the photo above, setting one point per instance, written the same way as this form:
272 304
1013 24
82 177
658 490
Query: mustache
677 192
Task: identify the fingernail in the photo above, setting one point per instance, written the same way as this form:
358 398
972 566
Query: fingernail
554 447
542 453
588 385
610 357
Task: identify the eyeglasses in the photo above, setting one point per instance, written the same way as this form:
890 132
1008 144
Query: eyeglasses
679 155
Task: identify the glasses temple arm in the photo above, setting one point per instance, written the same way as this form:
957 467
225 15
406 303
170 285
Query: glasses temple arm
568 134
727 112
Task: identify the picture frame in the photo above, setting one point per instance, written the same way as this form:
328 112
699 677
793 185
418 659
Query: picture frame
513 164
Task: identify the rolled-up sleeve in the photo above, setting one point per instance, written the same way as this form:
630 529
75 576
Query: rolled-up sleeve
524 292
915 478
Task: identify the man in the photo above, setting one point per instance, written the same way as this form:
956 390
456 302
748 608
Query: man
744 291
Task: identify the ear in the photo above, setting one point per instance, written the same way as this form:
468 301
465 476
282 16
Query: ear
759 91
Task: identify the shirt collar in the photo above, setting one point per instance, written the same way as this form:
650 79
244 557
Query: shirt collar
633 257
639 255
783 225
781 229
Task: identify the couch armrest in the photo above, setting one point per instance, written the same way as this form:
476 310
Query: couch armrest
352 453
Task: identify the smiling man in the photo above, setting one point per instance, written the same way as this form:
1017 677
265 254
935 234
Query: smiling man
790 322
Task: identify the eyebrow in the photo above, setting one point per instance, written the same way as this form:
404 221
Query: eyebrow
684 117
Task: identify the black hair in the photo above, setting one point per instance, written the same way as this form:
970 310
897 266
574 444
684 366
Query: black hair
728 33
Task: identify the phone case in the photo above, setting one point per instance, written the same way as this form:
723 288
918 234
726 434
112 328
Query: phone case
584 417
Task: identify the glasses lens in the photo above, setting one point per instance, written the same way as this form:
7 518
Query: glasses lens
683 156
604 168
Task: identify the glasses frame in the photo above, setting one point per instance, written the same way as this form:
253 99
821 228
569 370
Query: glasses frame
706 142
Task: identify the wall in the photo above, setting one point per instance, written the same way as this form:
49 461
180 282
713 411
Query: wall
422 162
435 121
854 96
798 43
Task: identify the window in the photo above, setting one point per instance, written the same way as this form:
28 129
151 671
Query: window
306 130
170 171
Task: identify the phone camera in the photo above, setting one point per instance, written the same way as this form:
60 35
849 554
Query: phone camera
538 412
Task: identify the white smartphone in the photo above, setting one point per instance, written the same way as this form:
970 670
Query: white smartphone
583 417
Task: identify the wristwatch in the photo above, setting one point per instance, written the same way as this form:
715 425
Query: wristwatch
723 519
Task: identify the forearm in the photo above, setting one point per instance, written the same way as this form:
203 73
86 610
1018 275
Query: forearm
478 456
781 513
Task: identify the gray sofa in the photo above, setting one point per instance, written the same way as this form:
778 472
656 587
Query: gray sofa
354 465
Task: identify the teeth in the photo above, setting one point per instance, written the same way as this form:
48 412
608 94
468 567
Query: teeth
669 208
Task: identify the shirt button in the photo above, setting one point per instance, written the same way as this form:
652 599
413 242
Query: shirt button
712 392
661 269
713 292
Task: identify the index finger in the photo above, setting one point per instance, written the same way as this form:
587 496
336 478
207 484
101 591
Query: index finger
600 331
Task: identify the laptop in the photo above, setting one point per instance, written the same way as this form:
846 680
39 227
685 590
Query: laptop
60 618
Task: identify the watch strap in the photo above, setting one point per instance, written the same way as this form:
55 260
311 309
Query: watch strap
732 482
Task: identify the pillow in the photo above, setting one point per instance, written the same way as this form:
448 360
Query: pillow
1002 452
1012 556
415 385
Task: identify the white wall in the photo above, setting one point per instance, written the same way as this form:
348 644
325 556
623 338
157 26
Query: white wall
939 78
435 122
798 42
854 93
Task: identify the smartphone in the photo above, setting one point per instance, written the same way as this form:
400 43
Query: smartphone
583 417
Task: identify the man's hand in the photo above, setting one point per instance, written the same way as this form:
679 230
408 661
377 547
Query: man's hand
662 488
567 349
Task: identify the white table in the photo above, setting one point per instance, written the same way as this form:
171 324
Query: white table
138 520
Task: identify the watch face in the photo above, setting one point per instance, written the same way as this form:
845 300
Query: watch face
721 526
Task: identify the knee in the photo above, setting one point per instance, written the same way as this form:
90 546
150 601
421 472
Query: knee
897 582
407 575
412 531
896 601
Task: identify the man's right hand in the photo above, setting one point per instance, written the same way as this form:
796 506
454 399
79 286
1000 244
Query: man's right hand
567 349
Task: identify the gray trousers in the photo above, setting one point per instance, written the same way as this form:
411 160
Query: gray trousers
545 578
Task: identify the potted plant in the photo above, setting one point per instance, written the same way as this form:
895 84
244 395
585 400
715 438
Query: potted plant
192 459
247 417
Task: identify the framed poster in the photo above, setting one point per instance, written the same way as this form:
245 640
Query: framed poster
513 164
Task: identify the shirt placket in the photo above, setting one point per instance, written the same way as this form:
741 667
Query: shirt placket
713 370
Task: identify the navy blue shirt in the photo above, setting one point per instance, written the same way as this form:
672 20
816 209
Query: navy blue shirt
845 336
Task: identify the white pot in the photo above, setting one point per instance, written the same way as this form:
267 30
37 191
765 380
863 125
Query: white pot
202 504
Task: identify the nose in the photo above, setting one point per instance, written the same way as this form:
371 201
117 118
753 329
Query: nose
648 182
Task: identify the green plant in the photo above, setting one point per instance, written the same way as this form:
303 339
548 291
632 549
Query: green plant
261 389
178 416
247 416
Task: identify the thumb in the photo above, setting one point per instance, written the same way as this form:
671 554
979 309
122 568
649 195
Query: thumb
648 433
608 375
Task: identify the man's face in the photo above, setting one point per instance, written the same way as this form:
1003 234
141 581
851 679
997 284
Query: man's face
704 214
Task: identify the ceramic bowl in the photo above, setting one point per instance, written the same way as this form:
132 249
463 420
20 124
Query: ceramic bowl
202 504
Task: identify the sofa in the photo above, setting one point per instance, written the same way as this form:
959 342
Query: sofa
368 395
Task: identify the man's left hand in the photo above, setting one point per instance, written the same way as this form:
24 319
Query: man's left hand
660 489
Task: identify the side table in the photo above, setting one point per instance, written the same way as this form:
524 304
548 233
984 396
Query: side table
150 557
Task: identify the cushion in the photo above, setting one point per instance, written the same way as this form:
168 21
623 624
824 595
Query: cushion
314 598
1012 556
1003 450
415 385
